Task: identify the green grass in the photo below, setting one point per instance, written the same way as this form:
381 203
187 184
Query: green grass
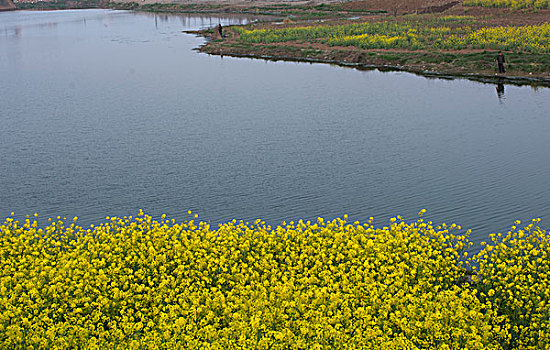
414 33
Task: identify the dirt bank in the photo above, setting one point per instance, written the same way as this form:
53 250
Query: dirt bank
386 60
479 64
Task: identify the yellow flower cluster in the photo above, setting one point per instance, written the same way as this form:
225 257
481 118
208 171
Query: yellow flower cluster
447 33
534 39
514 277
376 41
140 283
514 4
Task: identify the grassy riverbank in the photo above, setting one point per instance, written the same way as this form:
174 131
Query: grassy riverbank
446 44
428 37
140 283
279 10
436 37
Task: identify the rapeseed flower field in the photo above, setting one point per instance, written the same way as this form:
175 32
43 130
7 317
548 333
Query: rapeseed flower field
513 4
139 283
417 33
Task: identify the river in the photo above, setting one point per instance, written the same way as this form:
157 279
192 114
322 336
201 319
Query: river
106 112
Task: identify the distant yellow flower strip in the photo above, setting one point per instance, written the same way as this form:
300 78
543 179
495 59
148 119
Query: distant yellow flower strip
318 32
377 41
140 283
535 39
446 33
514 4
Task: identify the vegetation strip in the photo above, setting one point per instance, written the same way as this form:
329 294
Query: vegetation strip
141 283
412 35
461 45
514 4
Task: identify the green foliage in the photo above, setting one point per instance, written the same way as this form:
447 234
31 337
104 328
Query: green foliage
514 277
139 283
417 33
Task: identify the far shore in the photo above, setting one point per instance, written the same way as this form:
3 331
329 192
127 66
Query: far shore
524 67
351 59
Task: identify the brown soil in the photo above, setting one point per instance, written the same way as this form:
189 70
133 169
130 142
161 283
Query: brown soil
391 8
400 6
500 16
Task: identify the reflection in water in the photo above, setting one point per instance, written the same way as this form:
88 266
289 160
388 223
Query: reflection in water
49 25
500 89
18 22
18 31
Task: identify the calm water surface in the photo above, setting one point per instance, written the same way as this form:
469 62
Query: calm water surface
106 112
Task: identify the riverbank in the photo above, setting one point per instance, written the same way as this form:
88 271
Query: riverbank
423 64
428 44
430 37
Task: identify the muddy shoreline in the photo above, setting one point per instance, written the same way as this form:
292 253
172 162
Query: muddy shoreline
482 78
212 46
